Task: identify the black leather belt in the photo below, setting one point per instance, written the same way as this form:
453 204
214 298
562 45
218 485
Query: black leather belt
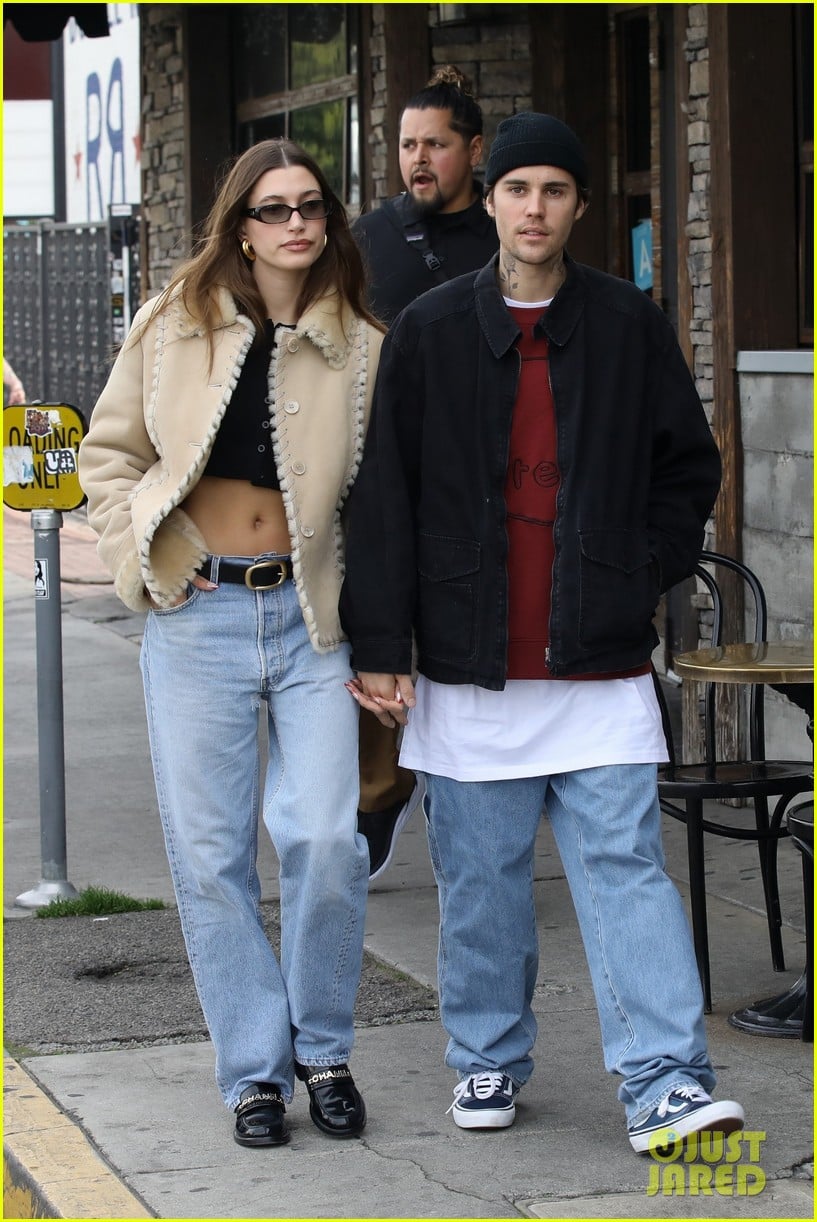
262 575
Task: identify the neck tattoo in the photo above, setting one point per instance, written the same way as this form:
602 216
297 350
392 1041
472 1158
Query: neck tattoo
508 272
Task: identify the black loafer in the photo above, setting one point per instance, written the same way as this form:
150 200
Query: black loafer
259 1117
335 1103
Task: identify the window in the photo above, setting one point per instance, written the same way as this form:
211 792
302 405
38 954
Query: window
804 78
295 72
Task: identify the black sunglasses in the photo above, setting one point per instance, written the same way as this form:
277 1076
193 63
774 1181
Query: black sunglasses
278 214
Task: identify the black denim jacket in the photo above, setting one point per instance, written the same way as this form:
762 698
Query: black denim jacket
427 546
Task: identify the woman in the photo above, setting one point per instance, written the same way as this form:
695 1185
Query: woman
216 467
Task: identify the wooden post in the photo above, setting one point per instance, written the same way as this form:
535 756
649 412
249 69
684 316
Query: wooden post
405 29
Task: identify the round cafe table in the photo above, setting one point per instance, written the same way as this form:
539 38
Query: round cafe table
767 662
779 663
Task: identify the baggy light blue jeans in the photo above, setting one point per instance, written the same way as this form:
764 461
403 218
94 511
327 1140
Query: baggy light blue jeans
207 666
606 822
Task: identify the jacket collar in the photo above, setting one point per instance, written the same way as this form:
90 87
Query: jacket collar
328 323
186 326
475 216
567 307
558 321
472 217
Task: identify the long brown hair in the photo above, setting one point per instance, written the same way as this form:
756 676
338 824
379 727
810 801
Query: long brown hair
219 263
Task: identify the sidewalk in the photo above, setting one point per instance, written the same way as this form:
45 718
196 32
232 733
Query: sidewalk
111 1109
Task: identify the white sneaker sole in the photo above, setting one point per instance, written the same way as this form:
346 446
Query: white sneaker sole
488 1118
723 1117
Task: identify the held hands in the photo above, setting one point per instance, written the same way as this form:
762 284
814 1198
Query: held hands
389 697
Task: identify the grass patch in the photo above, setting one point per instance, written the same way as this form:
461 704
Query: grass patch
18 1051
97 901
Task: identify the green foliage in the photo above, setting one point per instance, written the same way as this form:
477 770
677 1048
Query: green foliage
97 901
18 1051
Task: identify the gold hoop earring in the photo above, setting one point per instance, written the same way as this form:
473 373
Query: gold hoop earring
248 251
325 241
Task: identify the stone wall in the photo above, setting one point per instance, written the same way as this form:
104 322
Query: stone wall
698 227
378 137
163 141
497 59
776 407
776 416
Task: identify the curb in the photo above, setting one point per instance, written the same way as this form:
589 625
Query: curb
50 1169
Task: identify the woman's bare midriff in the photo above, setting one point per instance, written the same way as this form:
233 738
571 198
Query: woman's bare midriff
238 519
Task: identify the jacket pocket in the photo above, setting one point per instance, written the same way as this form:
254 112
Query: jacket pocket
448 597
618 588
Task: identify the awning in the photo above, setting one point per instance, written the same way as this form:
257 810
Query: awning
44 22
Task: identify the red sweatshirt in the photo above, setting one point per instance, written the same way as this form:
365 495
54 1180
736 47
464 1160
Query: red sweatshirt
531 487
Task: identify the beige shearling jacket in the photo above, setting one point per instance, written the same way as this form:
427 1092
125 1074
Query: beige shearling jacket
153 428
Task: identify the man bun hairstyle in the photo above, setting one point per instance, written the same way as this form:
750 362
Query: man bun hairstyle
450 89
533 139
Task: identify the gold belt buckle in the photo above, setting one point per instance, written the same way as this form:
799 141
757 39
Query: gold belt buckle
266 564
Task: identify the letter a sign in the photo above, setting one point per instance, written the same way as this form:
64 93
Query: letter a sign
642 254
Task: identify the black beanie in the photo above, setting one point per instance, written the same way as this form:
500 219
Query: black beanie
532 139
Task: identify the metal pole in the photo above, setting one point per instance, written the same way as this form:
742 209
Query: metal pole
126 286
54 883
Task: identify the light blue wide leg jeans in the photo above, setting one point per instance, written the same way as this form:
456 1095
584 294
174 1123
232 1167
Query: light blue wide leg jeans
606 822
208 665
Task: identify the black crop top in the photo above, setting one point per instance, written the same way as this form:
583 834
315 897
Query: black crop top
243 445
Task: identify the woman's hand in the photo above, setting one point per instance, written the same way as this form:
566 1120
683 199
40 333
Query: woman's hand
201 583
389 697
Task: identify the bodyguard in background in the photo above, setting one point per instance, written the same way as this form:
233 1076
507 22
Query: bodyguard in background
435 230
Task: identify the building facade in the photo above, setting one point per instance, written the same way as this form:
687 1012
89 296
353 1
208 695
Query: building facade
697 123
697 120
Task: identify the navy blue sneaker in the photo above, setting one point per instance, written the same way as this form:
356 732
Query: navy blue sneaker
382 828
484 1101
686 1110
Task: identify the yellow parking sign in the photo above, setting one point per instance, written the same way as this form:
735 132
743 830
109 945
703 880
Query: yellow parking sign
40 448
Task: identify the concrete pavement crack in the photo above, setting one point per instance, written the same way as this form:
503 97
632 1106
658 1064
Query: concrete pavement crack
430 1179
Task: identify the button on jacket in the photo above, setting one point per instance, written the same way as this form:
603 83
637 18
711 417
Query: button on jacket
427 546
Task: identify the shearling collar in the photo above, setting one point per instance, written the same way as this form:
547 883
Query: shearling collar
328 323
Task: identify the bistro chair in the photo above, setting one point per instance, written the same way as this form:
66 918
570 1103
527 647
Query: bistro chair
684 787
800 823
790 1014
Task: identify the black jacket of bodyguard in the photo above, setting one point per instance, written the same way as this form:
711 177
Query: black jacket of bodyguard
462 241
639 472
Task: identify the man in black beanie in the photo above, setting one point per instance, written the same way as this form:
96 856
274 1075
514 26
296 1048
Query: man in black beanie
538 470
533 136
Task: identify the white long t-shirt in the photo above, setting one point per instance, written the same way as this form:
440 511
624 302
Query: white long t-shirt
535 727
